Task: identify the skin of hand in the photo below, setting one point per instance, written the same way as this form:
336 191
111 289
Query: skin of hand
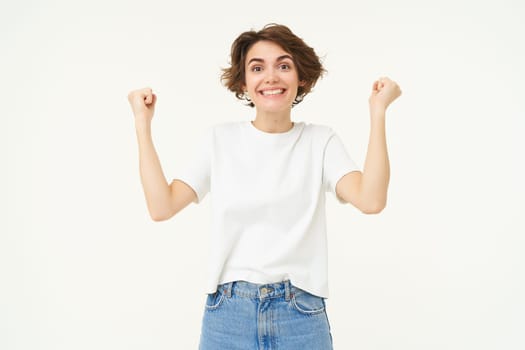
142 103
384 92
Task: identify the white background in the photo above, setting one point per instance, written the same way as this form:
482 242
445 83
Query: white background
82 266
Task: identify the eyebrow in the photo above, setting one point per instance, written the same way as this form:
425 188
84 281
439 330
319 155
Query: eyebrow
280 58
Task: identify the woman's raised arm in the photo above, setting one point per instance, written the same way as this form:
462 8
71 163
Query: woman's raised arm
163 200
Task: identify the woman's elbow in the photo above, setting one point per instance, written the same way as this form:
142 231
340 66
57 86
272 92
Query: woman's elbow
160 215
373 208
158 218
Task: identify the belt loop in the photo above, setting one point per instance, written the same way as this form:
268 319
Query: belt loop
228 289
287 290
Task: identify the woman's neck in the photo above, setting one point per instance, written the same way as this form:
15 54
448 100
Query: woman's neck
273 122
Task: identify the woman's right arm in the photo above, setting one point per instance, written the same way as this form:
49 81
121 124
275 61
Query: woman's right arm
163 200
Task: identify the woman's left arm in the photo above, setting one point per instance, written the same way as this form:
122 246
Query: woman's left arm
367 190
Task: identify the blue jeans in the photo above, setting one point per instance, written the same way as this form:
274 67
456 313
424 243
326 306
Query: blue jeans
247 316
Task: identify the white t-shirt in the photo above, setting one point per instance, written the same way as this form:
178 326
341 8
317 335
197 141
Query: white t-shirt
268 202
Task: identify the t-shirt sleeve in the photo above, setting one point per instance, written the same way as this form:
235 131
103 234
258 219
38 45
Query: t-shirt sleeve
337 163
196 173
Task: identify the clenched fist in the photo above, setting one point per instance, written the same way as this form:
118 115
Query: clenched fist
142 103
384 92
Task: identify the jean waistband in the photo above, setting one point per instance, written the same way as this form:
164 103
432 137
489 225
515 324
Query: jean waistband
254 290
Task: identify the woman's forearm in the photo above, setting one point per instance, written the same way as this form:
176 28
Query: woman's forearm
156 188
376 171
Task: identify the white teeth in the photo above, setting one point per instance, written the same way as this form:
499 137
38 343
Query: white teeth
273 92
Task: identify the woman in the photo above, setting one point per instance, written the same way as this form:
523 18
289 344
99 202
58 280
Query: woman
267 277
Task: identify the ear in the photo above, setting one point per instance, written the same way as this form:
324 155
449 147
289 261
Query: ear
302 83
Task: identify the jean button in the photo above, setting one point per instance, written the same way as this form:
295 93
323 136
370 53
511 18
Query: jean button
264 291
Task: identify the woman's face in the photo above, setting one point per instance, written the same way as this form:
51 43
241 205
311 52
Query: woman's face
271 77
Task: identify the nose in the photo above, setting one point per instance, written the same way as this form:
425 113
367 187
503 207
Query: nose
271 76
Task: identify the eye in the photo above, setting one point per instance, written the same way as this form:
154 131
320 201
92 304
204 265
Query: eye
256 68
285 66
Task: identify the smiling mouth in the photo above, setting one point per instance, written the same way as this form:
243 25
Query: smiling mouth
272 92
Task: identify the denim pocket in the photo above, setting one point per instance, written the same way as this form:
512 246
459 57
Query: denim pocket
214 300
306 303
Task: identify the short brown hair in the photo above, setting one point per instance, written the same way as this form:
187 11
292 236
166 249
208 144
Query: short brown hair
308 64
